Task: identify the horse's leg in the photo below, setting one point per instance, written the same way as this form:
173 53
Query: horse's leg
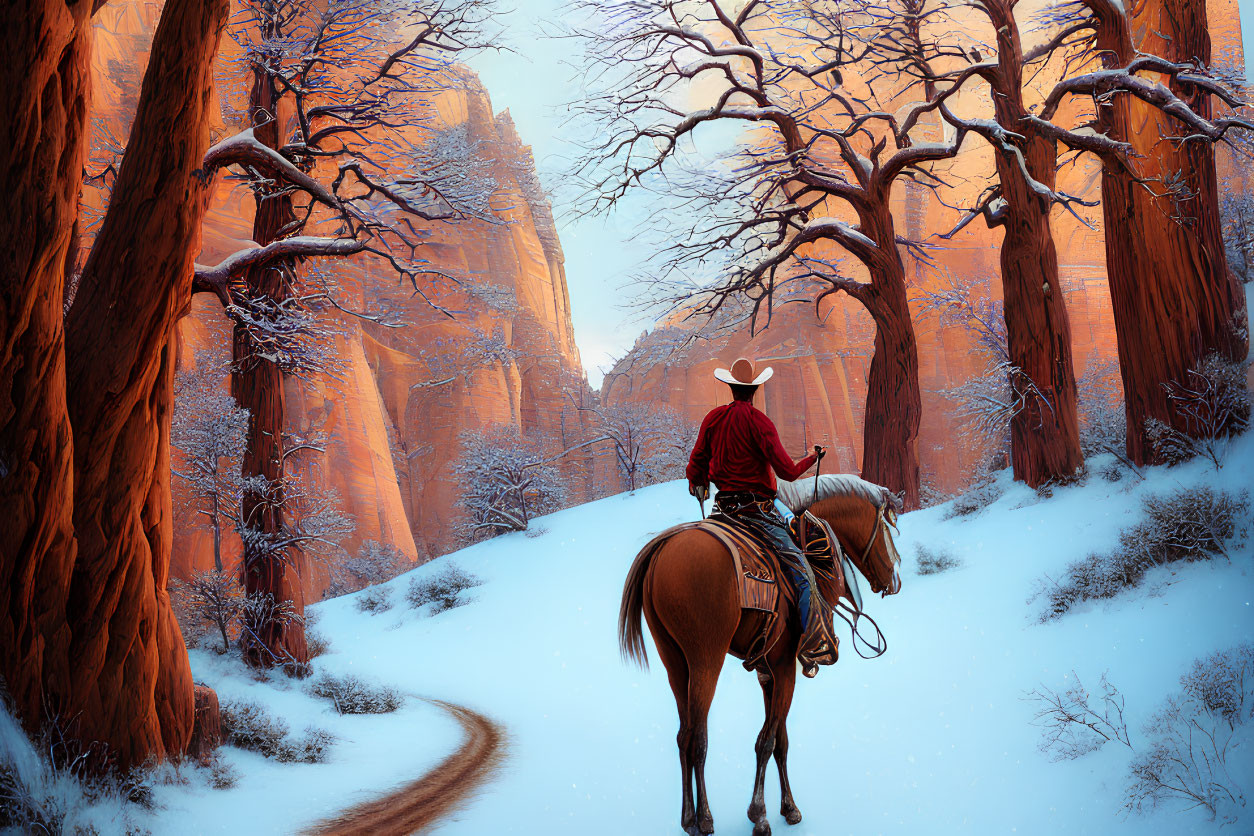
763 748
702 679
783 701
677 672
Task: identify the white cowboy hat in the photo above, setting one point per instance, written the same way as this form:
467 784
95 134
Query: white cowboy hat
742 373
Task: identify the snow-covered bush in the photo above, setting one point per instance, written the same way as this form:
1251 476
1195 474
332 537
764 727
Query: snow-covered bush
56 787
1194 735
1103 423
1072 725
316 642
374 563
209 602
504 480
375 600
351 695
1188 524
222 776
442 591
249 725
933 561
260 610
1214 402
974 500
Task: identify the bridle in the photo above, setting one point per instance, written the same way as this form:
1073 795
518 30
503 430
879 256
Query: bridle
853 614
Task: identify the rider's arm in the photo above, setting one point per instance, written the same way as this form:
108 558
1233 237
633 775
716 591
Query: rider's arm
777 456
698 472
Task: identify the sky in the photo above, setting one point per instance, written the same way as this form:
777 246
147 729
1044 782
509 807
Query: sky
535 81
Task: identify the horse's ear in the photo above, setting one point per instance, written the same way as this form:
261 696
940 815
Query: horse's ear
897 500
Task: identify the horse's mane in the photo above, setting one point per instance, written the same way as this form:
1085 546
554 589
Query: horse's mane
801 494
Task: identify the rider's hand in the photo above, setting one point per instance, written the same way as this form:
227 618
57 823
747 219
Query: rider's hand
819 451
701 492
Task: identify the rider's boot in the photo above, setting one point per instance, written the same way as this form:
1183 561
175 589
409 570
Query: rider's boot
818 646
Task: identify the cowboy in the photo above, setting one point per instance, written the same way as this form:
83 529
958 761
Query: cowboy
737 448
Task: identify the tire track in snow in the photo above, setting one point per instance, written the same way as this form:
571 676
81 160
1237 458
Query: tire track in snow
419 804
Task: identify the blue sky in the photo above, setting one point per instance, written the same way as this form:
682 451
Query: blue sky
534 82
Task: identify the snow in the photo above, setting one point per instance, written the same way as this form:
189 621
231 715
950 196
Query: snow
933 737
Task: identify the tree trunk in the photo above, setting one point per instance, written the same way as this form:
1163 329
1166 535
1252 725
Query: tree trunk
44 98
890 427
1045 431
1174 297
257 385
216 524
130 666
88 637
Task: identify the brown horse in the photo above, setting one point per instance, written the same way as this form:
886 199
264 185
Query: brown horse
687 590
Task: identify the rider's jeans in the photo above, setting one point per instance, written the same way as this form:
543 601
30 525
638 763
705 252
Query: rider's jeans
772 526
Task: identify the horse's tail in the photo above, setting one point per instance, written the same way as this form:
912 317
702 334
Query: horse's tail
630 633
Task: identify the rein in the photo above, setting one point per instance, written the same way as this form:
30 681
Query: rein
851 613
875 532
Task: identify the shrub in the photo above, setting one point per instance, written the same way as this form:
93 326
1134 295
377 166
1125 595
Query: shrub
1189 524
317 643
934 561
505 480
351 695
442 591
374 563
222 776
248 725
1212 404
209 603
1193 735
1072 726
375 600
313 747
1103 422
974 500
59 785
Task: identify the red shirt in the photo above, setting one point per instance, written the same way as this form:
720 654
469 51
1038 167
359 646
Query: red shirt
736 449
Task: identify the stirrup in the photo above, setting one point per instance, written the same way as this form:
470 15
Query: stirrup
818 645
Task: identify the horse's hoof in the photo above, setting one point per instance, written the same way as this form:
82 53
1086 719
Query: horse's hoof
791 814
762 828
706 824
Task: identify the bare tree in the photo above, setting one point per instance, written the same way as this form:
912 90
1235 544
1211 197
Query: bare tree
816 83
210 432
650 443
345 154
985 405
504 481
213 597
1028 137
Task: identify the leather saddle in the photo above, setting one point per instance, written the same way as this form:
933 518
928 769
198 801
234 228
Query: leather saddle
760 581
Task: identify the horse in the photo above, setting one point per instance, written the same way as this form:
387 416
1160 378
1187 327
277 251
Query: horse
687 591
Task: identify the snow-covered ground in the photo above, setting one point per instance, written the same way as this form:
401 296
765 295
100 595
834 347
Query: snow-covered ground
935 737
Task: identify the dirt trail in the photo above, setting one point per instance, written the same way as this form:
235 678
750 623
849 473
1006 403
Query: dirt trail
419 804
